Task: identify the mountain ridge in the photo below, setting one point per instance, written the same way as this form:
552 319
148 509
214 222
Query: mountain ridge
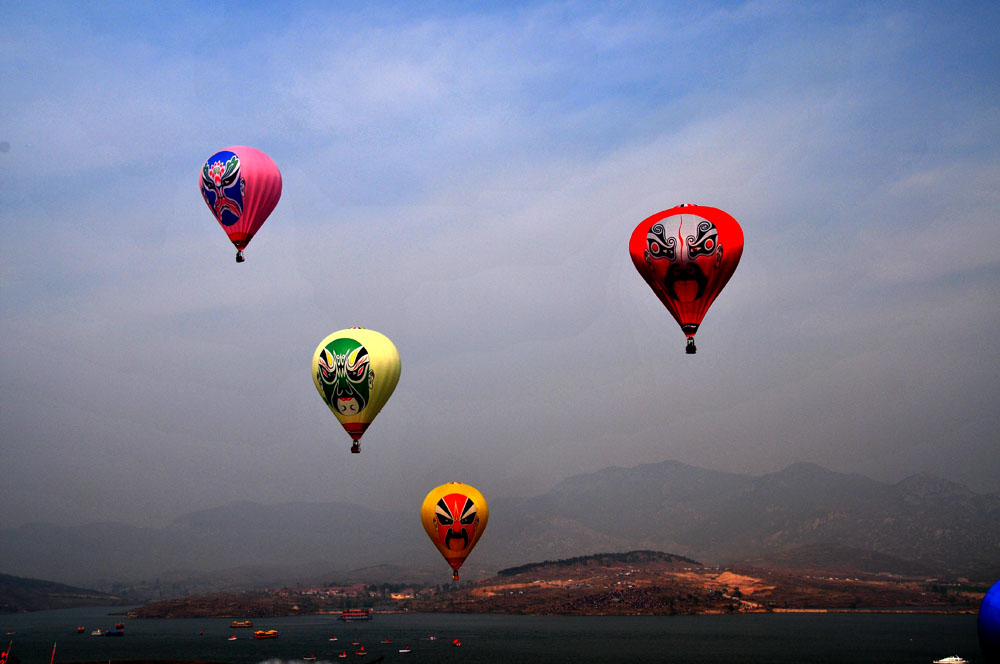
923 521
18 594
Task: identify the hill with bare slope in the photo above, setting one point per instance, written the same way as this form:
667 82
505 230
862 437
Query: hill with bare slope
654 583
19 595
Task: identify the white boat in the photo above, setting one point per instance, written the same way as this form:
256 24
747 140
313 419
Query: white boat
954 659
406 649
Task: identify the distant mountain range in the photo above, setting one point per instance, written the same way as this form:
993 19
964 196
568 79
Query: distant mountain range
802 516
18 595
725 517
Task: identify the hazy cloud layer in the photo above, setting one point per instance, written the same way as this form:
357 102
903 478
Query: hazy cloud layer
466 183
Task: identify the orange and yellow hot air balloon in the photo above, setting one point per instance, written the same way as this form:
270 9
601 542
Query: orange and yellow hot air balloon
454 516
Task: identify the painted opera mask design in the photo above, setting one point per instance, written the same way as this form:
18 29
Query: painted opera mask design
223 186
346 376
457 521
679 251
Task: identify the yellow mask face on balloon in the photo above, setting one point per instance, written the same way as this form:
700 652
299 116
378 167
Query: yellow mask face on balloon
355 371
454 515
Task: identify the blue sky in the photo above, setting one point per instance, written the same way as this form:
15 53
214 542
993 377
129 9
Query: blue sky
464 179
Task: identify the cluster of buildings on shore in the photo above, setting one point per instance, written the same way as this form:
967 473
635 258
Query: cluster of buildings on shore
354 591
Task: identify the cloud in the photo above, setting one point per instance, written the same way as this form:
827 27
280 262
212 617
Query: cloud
466 183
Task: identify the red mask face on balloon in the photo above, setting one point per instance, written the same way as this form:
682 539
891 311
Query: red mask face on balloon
456 520
680 251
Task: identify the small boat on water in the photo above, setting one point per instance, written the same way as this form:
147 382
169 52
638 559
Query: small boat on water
114 632
332 638
954 659
350 615
241 623
231 638
431 637
265 634
386 640
79 630
405 649
456 643
97 632
342 654
310 658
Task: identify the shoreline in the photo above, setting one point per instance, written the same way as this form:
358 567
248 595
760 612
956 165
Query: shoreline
895 610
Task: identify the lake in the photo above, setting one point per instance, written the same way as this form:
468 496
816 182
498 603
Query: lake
772 638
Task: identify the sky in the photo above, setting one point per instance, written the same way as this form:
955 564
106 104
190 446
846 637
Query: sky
464 179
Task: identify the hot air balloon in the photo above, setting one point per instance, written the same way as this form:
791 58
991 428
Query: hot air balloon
687 254
355 371
988 625
241 186
454 516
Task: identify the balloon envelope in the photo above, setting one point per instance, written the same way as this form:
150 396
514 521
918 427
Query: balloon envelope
989 625
687 254
454 515
355 371
241 186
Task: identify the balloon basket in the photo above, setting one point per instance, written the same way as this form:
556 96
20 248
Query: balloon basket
691 349
239 256
356 448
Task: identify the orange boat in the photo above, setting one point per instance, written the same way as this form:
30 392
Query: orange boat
242 623
268 634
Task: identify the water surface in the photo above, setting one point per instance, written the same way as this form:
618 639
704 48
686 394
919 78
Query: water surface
492 639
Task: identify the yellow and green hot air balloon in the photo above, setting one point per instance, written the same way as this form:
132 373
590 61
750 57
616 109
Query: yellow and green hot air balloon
454 516
355 371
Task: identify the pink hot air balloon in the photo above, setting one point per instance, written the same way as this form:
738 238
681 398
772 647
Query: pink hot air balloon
241 186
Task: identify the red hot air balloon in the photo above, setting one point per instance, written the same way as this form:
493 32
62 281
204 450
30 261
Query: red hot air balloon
241 186
687 254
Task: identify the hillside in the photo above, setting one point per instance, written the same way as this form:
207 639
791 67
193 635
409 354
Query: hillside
653 583
922 525
624 583
726 518
600 560
19 594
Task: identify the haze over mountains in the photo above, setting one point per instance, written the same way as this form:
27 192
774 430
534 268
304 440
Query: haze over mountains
17 595
800 515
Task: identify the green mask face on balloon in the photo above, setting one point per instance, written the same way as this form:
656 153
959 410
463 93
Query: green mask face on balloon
344 373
